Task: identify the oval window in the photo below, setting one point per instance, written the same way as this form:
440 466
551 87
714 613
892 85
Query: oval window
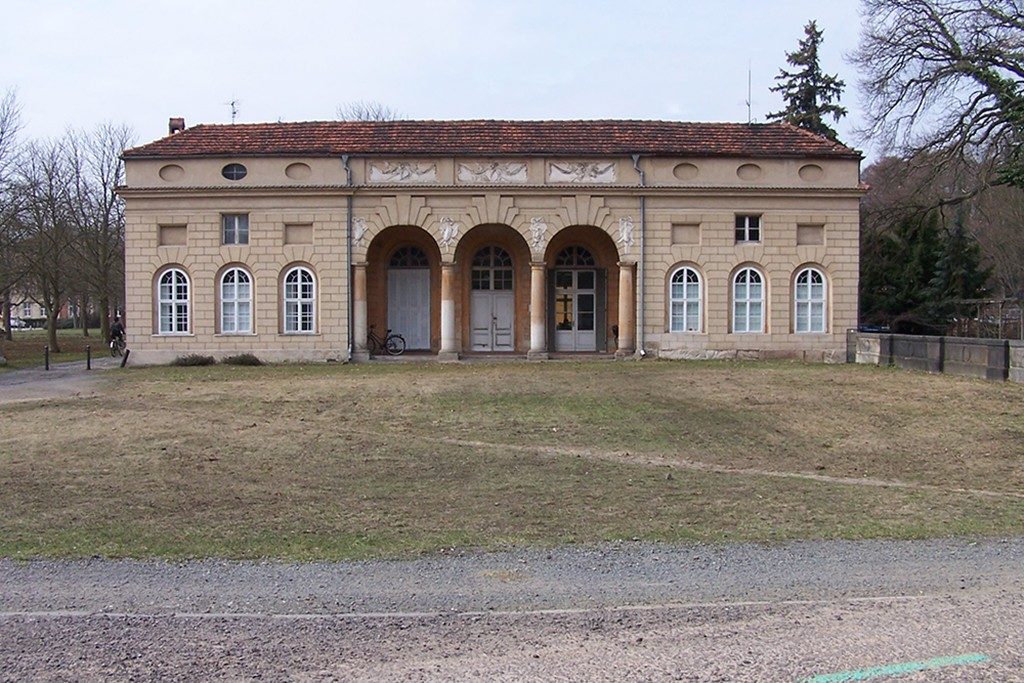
233 171
172 172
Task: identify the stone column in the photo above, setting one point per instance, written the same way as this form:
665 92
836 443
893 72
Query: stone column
360 352
627 311
448 349
538 313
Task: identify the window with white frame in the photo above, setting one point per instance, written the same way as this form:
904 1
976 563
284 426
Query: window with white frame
299 301
685 296
236 302
809 300
173 292
26 310
235 228
748 301
748 228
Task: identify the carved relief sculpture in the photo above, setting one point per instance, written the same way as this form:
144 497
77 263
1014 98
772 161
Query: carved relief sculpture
626 233
359 229
402 172
449 232
582 172
538 233
493 172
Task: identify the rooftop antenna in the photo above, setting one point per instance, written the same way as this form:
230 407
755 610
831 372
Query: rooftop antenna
234 108
750 116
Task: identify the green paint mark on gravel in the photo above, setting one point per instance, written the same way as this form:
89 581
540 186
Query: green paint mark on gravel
891 670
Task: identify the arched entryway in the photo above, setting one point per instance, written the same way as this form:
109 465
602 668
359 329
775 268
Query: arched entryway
494 272
492 301
409 296
582 309
403 272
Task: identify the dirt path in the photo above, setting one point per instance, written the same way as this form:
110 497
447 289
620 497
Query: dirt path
63 380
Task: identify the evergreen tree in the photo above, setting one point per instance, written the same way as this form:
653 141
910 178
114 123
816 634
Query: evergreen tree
897 268
958 272
810 95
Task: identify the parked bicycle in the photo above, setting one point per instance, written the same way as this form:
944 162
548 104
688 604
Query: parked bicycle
391 344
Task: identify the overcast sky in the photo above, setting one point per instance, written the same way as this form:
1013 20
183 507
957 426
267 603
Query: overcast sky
140 61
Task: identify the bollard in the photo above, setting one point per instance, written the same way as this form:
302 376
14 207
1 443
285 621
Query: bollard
88 356
46 356
124 358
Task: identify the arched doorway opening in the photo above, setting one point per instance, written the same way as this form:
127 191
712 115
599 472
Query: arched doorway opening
492 301
494 271
403 271
582 299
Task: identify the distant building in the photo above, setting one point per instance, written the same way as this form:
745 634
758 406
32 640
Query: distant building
686 240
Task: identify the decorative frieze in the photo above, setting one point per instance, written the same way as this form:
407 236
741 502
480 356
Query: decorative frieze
402 172
495 172
585 172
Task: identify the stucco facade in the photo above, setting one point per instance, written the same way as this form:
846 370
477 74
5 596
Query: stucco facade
354 219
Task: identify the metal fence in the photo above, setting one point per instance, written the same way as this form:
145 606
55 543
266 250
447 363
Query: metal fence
988 319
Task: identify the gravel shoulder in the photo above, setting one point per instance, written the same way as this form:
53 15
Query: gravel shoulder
614 612
602 577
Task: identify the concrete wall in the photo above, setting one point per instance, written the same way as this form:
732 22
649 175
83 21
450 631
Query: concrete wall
995 359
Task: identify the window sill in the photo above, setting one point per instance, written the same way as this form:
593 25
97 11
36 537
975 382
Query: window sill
172 335
298 334
236 334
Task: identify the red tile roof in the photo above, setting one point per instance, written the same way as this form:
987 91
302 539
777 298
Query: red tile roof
494 138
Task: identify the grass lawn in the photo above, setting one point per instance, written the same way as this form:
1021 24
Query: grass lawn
329 462
26 351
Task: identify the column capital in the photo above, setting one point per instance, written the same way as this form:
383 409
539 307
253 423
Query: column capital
626 264
538 264
448 264
360 264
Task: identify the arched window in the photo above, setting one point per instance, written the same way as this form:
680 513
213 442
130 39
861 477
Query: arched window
409 257
492 269
575 256
299 301
809 300
173 293
748 301
685 298
236 302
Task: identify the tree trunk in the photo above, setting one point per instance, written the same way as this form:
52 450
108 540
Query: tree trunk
6 319
104 314
51 326
84 312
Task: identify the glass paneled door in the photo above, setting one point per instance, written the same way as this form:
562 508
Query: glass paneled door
575 310
492 301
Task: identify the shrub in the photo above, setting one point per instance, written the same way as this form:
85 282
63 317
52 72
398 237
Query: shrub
242 359
194 359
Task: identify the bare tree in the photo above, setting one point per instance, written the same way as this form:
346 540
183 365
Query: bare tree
10 124
43 183
944 77
96 170
367 110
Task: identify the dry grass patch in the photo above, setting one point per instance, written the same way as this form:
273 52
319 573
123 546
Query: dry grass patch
357 461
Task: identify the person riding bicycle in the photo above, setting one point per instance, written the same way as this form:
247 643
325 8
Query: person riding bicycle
117 330
117 333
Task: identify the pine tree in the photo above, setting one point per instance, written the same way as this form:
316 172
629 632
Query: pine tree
958 272
810 95
897 268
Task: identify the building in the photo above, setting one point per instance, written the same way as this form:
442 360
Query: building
680 240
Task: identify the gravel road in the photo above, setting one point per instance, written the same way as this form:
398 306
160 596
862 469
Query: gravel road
62 380
612 612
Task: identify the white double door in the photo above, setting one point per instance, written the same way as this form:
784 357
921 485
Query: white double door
409 305
491 320
575 311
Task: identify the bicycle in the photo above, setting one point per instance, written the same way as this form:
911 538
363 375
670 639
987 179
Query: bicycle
117 347
391 344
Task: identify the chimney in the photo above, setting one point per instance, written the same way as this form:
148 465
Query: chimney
175 125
